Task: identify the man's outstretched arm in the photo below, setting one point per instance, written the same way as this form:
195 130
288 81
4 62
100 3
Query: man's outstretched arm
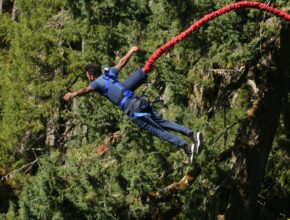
79 92
125 59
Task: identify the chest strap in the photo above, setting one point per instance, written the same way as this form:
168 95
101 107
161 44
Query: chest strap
126 92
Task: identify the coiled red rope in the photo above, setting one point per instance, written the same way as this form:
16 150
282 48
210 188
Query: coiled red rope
244 4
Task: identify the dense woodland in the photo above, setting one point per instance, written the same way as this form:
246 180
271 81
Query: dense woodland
85 159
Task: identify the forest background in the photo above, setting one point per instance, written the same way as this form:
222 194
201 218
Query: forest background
229 80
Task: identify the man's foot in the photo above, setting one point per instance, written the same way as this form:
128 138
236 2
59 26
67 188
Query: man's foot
197 140
189 151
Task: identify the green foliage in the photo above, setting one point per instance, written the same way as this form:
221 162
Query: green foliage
42 56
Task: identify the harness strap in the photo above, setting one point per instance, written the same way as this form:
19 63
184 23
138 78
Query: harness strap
136 105
139 114
126 92
126 95
106 76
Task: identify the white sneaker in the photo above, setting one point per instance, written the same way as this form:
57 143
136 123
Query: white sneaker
189 151
197 140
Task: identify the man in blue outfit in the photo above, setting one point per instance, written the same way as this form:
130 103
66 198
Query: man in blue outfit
135 107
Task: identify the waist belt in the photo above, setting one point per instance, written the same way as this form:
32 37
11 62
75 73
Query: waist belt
126 95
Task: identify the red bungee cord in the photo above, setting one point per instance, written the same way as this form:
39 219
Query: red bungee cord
244 4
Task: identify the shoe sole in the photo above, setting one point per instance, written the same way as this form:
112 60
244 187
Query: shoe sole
192 152
198 138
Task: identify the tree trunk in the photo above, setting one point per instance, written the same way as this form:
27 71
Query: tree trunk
287 120
254 140
14 11
1 3
286 112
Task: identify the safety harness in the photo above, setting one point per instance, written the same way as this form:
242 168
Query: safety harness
127 93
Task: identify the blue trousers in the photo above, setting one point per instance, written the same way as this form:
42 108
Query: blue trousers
153 122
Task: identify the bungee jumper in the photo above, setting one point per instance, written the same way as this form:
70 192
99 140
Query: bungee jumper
141 113
138 110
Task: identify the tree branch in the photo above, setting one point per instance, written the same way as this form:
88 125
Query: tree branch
13 172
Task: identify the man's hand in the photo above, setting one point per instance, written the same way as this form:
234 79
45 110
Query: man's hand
134 49
69 96
125 59
80 92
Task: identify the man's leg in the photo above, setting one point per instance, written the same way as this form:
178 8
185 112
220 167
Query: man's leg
196 137
152 127
171 126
